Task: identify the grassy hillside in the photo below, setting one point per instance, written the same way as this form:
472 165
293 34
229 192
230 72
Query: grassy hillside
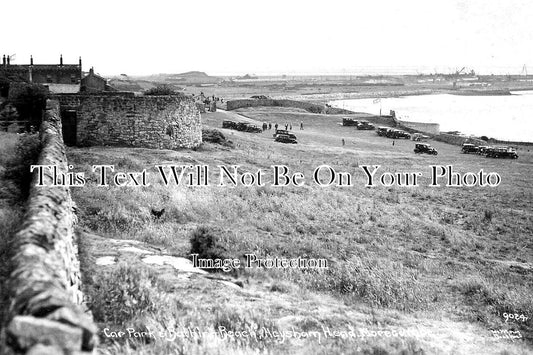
441 267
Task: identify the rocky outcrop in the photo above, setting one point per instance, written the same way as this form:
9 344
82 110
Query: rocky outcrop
46 313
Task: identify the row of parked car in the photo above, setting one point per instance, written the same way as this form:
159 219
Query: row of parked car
489 152
360 124
281 135
241 126
392 133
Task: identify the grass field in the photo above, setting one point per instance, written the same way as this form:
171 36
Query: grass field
444 265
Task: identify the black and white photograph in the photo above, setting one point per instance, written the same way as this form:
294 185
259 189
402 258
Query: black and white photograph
281 177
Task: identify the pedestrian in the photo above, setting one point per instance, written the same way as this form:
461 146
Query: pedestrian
269 126
393 142
276 126
343 142
290 126
301 125
286 126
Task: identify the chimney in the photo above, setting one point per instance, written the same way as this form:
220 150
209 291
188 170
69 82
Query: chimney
80 62
61 60
31 60
91 71
8 59
4 60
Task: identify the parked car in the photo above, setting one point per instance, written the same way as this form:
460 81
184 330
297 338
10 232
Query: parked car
401 134
425 148
382 131
417 137
229 124
482 150
349 121
286 138
283 132
502 152
249 127
469 148
365 125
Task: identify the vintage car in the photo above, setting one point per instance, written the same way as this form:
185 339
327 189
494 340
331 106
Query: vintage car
482 150
286 138
417 137
397 134
249 127
283 132
229 124
383 131
365 125
502 152
349 121
469 148
424 148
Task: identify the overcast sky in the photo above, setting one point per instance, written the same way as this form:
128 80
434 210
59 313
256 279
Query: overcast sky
272 36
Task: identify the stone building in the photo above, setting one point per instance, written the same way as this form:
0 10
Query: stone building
59 78
126 119
92 83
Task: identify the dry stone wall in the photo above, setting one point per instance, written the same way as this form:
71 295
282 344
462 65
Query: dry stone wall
160 122
46 314
308 106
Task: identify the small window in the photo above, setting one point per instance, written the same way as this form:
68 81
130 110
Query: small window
73 78
49 78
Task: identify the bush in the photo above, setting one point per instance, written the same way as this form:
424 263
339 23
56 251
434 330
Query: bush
161 90
30 101
122 294
208 243
215 136
27 153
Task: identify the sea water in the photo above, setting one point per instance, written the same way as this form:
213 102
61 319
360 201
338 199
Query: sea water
506 117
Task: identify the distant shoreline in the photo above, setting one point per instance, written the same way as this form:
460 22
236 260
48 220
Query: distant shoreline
495 92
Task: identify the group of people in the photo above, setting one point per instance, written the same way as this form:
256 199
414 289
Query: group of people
288 126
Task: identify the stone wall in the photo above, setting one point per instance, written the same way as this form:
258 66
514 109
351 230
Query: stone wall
46 314
308 106
161 122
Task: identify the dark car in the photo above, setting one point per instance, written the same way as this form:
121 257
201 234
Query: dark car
425 148
382 131
286 138
502 152
229 124
482 150
469 148
283 132
401 134
365 125
249 127
349 122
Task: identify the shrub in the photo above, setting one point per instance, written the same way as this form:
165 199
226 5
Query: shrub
18 167
123 293
30 101
208 243
161 90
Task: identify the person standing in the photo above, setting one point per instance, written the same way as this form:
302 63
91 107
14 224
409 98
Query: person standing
301 125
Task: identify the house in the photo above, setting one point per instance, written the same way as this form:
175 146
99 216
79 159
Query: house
59 78
94 83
